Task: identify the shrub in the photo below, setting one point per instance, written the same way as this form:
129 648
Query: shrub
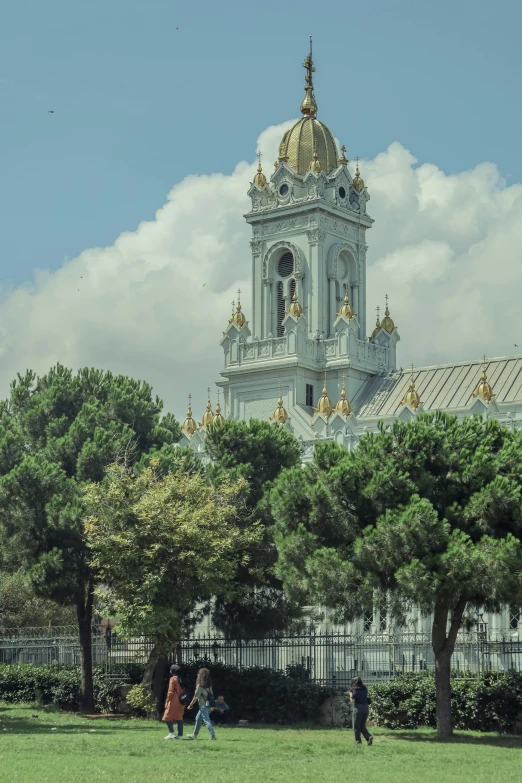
142 701
492 703
60 685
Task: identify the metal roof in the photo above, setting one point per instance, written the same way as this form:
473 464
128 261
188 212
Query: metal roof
440 387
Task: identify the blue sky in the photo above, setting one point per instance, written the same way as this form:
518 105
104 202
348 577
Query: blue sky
140 104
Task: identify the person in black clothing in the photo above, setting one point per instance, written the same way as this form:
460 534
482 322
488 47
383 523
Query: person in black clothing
359 699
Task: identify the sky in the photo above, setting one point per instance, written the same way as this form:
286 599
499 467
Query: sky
117 207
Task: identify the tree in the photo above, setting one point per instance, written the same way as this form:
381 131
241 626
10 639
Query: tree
21 607
164 544
257 452
57 434
428 512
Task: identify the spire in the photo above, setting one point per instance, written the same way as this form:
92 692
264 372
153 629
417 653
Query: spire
343 160
218 418
280 415
239 317
484 390
387 321
208 416
358 181
189 425
309 106
346 309
324 405
260 179
411 397
377 324
295 308
343 406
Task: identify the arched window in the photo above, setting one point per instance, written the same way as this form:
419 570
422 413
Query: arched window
285 265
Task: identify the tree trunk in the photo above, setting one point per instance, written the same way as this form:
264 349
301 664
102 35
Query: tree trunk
84 613
443 643
148 674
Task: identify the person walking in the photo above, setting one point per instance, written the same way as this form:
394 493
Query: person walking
361 708
174 709
205 699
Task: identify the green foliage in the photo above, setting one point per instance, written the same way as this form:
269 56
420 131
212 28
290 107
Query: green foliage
142 701
20 606
163 544
490 704
256 451
61 685
261 695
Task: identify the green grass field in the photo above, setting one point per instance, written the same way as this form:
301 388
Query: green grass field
66 748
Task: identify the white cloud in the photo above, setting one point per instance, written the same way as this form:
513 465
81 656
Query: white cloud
153 305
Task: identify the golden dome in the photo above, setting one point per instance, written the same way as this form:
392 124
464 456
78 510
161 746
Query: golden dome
377 325
387 321
324 405
358 181
189 425
295 308
308 135
343 406
484 390
411 397
280 414
260 179
346 308
238 317
208 416
218 417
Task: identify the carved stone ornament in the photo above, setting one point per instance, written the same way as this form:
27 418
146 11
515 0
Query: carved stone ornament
256 245
280 226
340 228
316 235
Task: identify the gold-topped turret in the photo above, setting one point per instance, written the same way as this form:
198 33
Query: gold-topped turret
324 405
260 179
484 390
295 308
238 317
346 308
358 181
315 164
411 397
280 415
208 416
189 425
387 321
219 419
377 324
343 160
343 406
309 105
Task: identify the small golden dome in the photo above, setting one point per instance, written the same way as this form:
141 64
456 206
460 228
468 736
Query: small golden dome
208 416
387 321
346 308
324 405
377 325
219 419
343 160
358 181
189 425
295 308
308 134
238 317
343 406
280 415
315 164
260 179
411 397
484 390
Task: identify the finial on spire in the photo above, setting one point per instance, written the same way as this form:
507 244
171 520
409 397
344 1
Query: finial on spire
238 317
377 324
358 181
309 106
387 321
411 397
259 179
208 416
343 160
484 389
324 405
343 406
189 425
218 417
280 415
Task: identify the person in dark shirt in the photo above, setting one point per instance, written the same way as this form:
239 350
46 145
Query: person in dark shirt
359 699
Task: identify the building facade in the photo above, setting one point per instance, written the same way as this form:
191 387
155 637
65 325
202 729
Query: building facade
303 358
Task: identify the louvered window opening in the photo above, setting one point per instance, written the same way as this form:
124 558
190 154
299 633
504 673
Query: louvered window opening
280 310
285 266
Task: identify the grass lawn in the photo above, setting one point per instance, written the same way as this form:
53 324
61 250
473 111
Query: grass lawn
66 748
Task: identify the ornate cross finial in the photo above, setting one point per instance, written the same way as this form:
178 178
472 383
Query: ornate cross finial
378 310
484 360
411 368
386 297
238 295
259 158
308 63
208 390
190 400
357 173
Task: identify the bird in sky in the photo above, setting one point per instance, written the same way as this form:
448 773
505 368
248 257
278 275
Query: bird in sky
51 111
516 346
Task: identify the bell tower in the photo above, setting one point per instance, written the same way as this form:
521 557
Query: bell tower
308 318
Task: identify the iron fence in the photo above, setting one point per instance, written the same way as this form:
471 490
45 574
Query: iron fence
328 658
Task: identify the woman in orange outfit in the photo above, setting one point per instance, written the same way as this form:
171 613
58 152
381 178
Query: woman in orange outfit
174 709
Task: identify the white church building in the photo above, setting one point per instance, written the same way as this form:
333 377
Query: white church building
302 358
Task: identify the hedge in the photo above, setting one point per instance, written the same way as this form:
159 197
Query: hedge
492 703
60 685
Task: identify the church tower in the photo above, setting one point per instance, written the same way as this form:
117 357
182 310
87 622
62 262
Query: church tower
307 327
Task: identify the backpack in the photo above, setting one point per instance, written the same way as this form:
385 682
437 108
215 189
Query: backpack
184 697
210 702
